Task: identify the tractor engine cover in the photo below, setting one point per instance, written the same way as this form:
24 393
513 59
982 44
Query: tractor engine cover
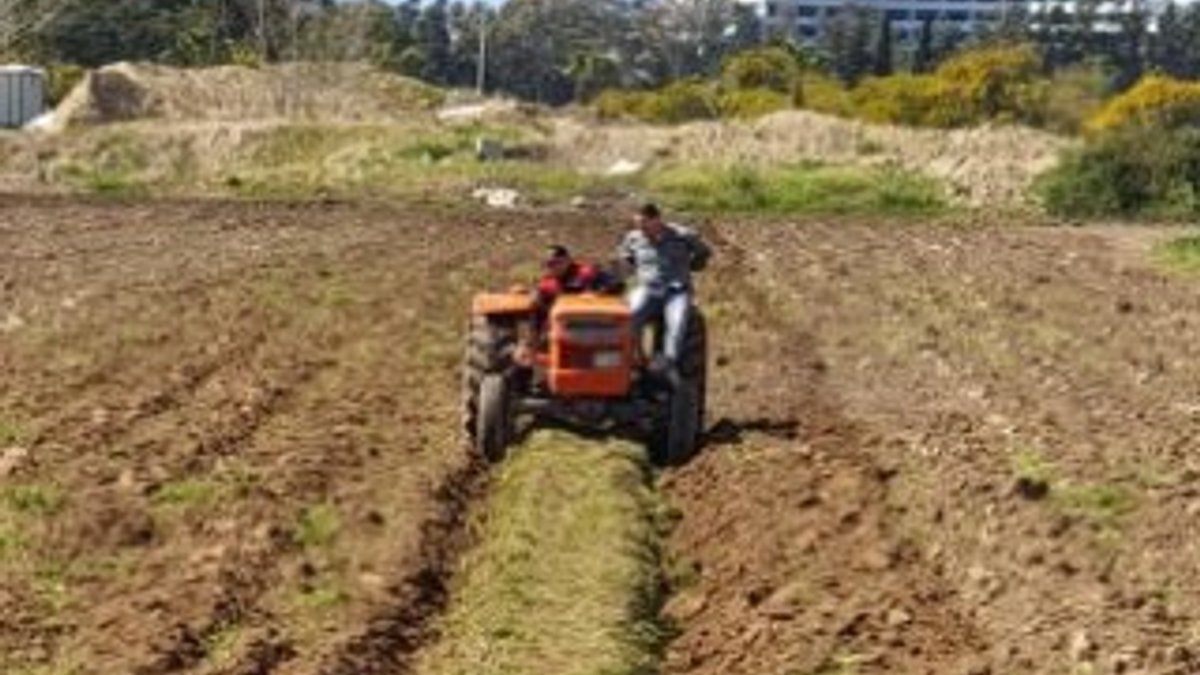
591 347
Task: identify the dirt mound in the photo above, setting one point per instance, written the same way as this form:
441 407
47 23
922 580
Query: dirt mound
342 92
987 165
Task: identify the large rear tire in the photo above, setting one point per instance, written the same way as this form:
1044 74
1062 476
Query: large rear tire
491 346
682 428
694 366
681 437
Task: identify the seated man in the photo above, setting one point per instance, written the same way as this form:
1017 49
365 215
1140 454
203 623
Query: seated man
564 274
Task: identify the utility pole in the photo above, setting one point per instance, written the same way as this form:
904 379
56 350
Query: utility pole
262 30
481 64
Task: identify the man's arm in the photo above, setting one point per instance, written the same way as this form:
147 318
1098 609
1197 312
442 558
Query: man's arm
701 251
626 256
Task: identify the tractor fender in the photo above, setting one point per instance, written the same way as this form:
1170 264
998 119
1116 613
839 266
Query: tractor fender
502 304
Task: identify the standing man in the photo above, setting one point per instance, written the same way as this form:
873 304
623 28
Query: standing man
663 257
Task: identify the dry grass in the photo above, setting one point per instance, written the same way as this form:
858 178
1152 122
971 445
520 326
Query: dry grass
565 579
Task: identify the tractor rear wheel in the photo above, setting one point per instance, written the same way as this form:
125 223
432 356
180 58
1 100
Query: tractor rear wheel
491 346
683 422
694 365
680 436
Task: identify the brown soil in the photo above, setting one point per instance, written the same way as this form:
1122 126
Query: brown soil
229 431
946 451
228 442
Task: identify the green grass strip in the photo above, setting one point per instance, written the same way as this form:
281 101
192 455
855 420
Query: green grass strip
1181 254
802 189
565 579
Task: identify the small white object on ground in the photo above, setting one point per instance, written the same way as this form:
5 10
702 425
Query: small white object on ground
498 198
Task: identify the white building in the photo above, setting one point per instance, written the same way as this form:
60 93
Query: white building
805 18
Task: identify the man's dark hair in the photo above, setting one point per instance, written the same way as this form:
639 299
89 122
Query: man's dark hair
557 252
650 210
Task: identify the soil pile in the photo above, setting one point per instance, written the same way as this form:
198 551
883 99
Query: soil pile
334 92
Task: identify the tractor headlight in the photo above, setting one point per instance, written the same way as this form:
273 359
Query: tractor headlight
609 359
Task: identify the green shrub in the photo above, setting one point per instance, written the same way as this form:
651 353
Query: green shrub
245 55
681 101
824 94
899 99
752 103
1156 101
1135 172
995 82
770 68
992 83
61 79
1072 96
617 103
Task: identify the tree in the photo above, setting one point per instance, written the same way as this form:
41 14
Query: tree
1129 52
361 31
535 44
433 42
923 56
592 74
882 66
465 23
1191 29
1169 49
22 20
692 37
847 43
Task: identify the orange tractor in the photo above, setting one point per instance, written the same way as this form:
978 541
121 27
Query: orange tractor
584 368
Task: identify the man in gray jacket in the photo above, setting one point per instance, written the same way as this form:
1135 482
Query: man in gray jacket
663 257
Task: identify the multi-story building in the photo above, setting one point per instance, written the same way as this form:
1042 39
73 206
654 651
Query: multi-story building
806 18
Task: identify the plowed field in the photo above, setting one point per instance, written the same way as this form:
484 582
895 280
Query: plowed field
229 442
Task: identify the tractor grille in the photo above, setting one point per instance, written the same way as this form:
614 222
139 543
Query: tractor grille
592 332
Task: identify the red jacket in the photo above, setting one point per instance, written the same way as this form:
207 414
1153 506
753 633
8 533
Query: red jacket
579 278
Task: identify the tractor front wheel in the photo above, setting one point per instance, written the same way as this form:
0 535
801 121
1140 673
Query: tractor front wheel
494 421
487 376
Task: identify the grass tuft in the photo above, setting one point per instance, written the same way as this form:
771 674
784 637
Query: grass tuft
12 432
1181 254
34 500
324 596
1104 506
188 494
318 526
